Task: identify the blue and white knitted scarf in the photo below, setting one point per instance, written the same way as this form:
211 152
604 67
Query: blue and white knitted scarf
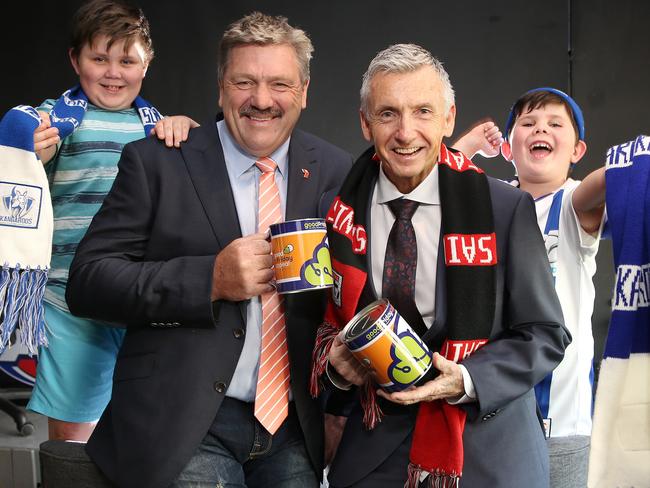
26 221
70 108
620 443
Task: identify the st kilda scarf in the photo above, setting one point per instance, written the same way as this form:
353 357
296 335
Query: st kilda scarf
469 242
26 220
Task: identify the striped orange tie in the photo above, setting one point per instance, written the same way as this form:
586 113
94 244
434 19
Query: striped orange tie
272 396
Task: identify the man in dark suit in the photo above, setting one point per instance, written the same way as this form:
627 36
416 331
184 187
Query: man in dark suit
476 287
178 256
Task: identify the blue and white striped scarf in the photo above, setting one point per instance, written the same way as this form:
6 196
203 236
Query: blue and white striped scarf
26 213
620 444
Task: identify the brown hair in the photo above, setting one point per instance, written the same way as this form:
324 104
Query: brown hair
539 99
263 30
114 19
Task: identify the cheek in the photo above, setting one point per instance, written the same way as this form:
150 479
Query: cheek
233 100
136 77
88 75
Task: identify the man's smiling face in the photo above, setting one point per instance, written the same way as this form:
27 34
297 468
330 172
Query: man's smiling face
262 95
406 120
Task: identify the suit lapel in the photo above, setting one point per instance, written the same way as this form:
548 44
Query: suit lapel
304 169
205 163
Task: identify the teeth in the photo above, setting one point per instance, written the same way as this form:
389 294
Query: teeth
540 145
406 150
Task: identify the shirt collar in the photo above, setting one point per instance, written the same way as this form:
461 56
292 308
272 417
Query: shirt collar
426 192
239 161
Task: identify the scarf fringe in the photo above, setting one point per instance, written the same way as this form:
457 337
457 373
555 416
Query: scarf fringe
414 473
21 306
324 338
436 479
372 413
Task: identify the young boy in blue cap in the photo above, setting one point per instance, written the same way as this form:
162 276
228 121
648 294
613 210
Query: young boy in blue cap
544 139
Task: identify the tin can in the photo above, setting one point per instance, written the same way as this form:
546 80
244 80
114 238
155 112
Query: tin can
301 255
381 339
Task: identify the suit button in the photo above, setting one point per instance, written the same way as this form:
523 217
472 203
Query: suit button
220 387
238 333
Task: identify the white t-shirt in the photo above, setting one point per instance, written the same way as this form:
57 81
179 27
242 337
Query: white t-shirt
572 255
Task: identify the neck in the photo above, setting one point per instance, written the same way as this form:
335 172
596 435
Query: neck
537 190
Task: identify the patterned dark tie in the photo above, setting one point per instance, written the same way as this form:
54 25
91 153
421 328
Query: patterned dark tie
400 264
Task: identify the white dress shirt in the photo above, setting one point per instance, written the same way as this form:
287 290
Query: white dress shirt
426 223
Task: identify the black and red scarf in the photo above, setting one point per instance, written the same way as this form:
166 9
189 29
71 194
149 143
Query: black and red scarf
470 247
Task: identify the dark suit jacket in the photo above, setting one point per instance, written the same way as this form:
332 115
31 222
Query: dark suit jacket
503 440
146 263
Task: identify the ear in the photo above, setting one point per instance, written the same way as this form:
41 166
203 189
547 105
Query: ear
506 150
365 126
304 94
578 151
74 59
450 121
220 94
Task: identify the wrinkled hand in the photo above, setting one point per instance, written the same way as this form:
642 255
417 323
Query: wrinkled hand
174 129
345 364
484 138
243 269
449 384
46 138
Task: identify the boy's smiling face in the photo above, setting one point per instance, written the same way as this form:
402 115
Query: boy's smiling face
543 145
111 78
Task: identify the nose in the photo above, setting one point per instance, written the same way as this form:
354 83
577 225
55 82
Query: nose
113 70
261 97
539 129
406 129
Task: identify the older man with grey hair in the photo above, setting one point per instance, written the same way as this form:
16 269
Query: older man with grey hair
210 388
459 256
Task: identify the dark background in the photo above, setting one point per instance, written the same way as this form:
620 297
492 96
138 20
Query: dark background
597 50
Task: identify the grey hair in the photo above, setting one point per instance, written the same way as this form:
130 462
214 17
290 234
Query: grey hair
263 30
404 58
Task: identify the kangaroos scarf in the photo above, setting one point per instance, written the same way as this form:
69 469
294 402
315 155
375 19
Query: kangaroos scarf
26 213
25 230
469 244
69 110
619 442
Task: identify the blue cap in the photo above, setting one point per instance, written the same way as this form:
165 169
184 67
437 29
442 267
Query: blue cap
575 110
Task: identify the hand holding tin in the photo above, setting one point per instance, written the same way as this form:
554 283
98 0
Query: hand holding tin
447 385
243 269
345 364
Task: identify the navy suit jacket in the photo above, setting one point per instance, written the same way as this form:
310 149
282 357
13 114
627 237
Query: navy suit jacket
503 440
146 264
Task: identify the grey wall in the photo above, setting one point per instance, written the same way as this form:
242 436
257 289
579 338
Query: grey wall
493 51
